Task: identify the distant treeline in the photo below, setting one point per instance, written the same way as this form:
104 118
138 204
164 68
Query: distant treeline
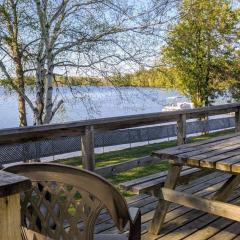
155 77
61 80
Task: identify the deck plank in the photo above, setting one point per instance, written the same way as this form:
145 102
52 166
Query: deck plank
229 233
182 222
194 187
210 230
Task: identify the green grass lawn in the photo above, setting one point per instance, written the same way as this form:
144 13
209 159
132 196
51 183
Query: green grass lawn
110 158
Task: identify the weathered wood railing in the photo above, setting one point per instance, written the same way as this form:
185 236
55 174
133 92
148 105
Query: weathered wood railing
86 129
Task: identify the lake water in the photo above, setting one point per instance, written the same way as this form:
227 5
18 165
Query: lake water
81 103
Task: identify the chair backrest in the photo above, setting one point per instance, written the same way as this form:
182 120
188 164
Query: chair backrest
64 201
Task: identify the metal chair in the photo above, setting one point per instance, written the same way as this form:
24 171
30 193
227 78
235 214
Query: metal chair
65 202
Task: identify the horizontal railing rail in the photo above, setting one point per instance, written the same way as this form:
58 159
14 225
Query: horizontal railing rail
86 129
50 149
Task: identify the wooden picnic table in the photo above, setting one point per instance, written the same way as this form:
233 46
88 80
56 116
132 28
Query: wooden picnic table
215 154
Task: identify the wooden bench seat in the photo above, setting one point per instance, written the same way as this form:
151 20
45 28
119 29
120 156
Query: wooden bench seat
150 184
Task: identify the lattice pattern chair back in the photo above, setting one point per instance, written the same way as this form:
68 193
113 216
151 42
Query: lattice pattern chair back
64 203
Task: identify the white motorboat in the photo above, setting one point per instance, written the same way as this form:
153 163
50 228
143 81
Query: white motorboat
176 103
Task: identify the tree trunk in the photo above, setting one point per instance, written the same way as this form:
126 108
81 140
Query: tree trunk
21 101
12 25
48 104
40 76
22 111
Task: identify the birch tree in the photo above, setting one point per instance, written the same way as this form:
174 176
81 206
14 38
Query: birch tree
98 37
10 47
88 36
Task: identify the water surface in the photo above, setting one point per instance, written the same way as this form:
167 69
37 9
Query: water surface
81 103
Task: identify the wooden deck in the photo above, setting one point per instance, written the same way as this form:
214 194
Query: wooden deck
182 222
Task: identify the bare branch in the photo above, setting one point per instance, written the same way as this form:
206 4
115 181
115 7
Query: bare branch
13 85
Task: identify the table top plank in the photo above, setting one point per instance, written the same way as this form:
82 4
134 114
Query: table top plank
226 164
209 148
11 183
209 160
235 168
210 156
203 143
212 161
221 153
218 154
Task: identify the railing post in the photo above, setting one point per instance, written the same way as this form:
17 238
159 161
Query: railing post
237 120
87 142
24 152
181 129
206 124
10 221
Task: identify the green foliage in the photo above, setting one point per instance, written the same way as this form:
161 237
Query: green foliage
60 80
235 80
154 77
200 47
78 80
29 80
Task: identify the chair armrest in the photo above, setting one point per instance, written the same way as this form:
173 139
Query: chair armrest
134 213
135 223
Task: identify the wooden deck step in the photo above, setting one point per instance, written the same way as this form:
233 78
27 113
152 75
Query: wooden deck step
182 222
